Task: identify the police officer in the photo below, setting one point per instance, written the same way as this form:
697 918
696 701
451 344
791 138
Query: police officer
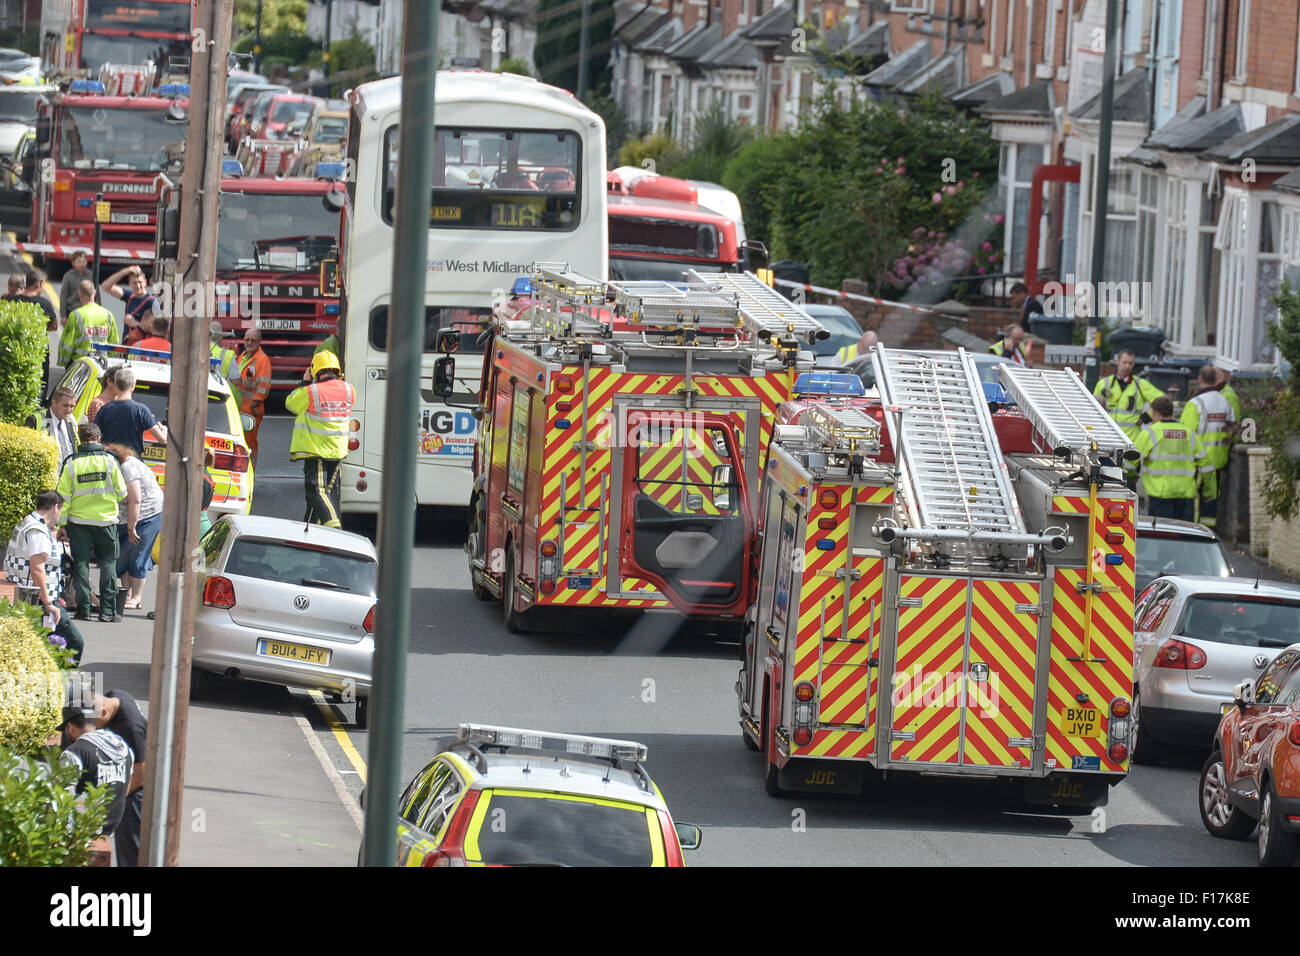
88 325
1211 417
92 485
1009 345
229 361
1172 461
320 435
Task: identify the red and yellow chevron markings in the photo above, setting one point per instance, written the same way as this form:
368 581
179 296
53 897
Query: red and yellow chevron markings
849 685
1006 641
579 512
1093 663
931 641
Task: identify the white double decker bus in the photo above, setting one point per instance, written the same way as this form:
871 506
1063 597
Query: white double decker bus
519 178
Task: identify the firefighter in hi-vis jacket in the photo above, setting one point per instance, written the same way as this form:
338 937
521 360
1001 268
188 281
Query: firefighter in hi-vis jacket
320 435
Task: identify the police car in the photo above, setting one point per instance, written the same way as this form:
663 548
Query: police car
499 796
232 469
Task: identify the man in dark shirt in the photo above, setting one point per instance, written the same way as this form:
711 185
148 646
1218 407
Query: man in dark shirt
139 303
34 292
117 711
124 420
103 757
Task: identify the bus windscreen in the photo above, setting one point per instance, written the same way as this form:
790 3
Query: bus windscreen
138 16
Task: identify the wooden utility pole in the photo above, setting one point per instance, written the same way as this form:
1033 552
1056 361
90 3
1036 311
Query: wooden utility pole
169 679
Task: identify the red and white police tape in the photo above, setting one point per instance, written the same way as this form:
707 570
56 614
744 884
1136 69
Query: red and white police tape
65 252
820 290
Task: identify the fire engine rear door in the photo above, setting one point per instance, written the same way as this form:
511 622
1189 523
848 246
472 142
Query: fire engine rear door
686 521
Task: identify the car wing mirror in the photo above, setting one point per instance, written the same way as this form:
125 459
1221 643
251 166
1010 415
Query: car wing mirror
722 485
247 422
689 835
1244 694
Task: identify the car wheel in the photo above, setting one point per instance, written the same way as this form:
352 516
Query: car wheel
1276 846
1221 818
1146 749
363 713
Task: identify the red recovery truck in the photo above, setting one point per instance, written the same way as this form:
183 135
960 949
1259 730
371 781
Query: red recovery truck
277 249
620 445
88 143
658 229
80 37
944 589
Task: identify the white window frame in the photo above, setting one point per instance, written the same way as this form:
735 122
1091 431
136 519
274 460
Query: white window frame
742 15
1231 238
1243 41
1010 185
1148 224
1291 235
991 37
909 6
1009 39
1208 41
1174 270
1049 35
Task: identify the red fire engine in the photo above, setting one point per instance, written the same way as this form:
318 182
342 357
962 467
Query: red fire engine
81 37
277 249
88 143
949 592
620 446
658 229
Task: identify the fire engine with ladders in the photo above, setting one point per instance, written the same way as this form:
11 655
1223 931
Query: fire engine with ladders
622 430
945 586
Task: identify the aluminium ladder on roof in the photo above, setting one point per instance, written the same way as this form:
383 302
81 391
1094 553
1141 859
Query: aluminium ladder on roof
1062 410
764 309
848 430
949 457
665 305
558 287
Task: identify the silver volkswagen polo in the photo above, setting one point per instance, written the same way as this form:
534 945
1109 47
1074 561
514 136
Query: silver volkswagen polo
286 602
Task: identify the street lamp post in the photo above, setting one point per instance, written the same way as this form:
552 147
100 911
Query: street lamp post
1093 367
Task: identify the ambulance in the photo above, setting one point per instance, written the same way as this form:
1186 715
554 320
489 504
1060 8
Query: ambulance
945 585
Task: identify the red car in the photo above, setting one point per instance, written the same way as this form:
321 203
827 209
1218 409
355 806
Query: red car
1253 777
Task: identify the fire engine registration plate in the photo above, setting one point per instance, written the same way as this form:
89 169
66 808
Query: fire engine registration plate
154 453
1082 722
279 325
135 218
293 652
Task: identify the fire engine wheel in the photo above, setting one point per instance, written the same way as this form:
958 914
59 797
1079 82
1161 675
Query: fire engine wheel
514 620
771 773
1146 749
772 781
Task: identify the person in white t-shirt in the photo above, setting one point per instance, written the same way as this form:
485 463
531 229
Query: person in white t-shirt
139 521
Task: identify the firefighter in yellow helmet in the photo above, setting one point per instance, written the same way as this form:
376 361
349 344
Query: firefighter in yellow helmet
320 435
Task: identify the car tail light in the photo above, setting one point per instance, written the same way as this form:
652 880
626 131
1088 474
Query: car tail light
1116 513
548 549
368 625
1120 707
1117 753
803 736
219 592
1293 734
1180 655
829 499
672 846
547 586
804 691
444 858
236 460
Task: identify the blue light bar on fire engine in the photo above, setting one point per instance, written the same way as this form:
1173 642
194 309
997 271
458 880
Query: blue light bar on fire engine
231 167
86 86
828 383
996 394
522 286
174 89
330 170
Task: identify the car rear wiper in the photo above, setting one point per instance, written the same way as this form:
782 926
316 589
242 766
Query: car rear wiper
1274 642
311 582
